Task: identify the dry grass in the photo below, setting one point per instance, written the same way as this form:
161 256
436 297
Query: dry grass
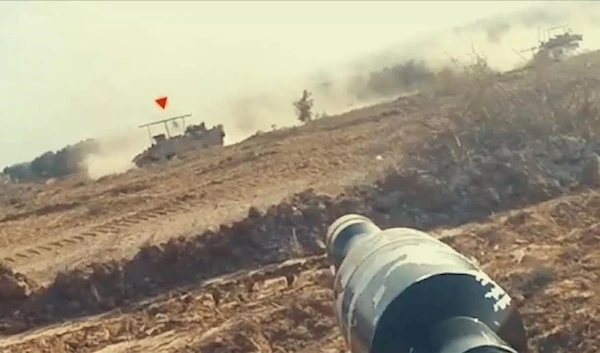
538 130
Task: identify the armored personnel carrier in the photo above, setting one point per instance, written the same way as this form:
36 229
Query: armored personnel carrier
558 44
165 146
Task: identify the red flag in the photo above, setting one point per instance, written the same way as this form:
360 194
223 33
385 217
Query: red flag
162 102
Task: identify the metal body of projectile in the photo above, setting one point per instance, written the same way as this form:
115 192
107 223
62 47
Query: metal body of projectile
401 290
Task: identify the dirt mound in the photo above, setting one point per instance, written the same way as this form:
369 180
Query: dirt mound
13 286
15 291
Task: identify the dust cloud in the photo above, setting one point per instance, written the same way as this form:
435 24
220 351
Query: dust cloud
272 109
114 154
502 41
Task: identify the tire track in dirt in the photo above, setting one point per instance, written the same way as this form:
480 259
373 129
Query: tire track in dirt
116 230
196 316
54 247
225 169
181 202
107 233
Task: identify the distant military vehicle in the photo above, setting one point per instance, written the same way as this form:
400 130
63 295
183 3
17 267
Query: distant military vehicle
166 146
556 47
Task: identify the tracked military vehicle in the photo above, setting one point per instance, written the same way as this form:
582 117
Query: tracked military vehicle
166 146
557 44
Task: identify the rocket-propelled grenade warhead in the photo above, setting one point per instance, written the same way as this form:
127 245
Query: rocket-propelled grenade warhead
401 290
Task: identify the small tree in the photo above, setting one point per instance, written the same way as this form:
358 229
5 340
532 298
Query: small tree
304 107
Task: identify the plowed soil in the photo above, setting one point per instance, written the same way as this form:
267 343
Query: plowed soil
202 254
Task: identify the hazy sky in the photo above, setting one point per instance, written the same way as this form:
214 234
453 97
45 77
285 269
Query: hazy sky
78 69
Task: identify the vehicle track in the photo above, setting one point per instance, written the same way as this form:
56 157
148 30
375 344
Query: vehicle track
114 232
176 204
205 185
108 228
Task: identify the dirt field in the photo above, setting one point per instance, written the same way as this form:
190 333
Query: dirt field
71 223
174 259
